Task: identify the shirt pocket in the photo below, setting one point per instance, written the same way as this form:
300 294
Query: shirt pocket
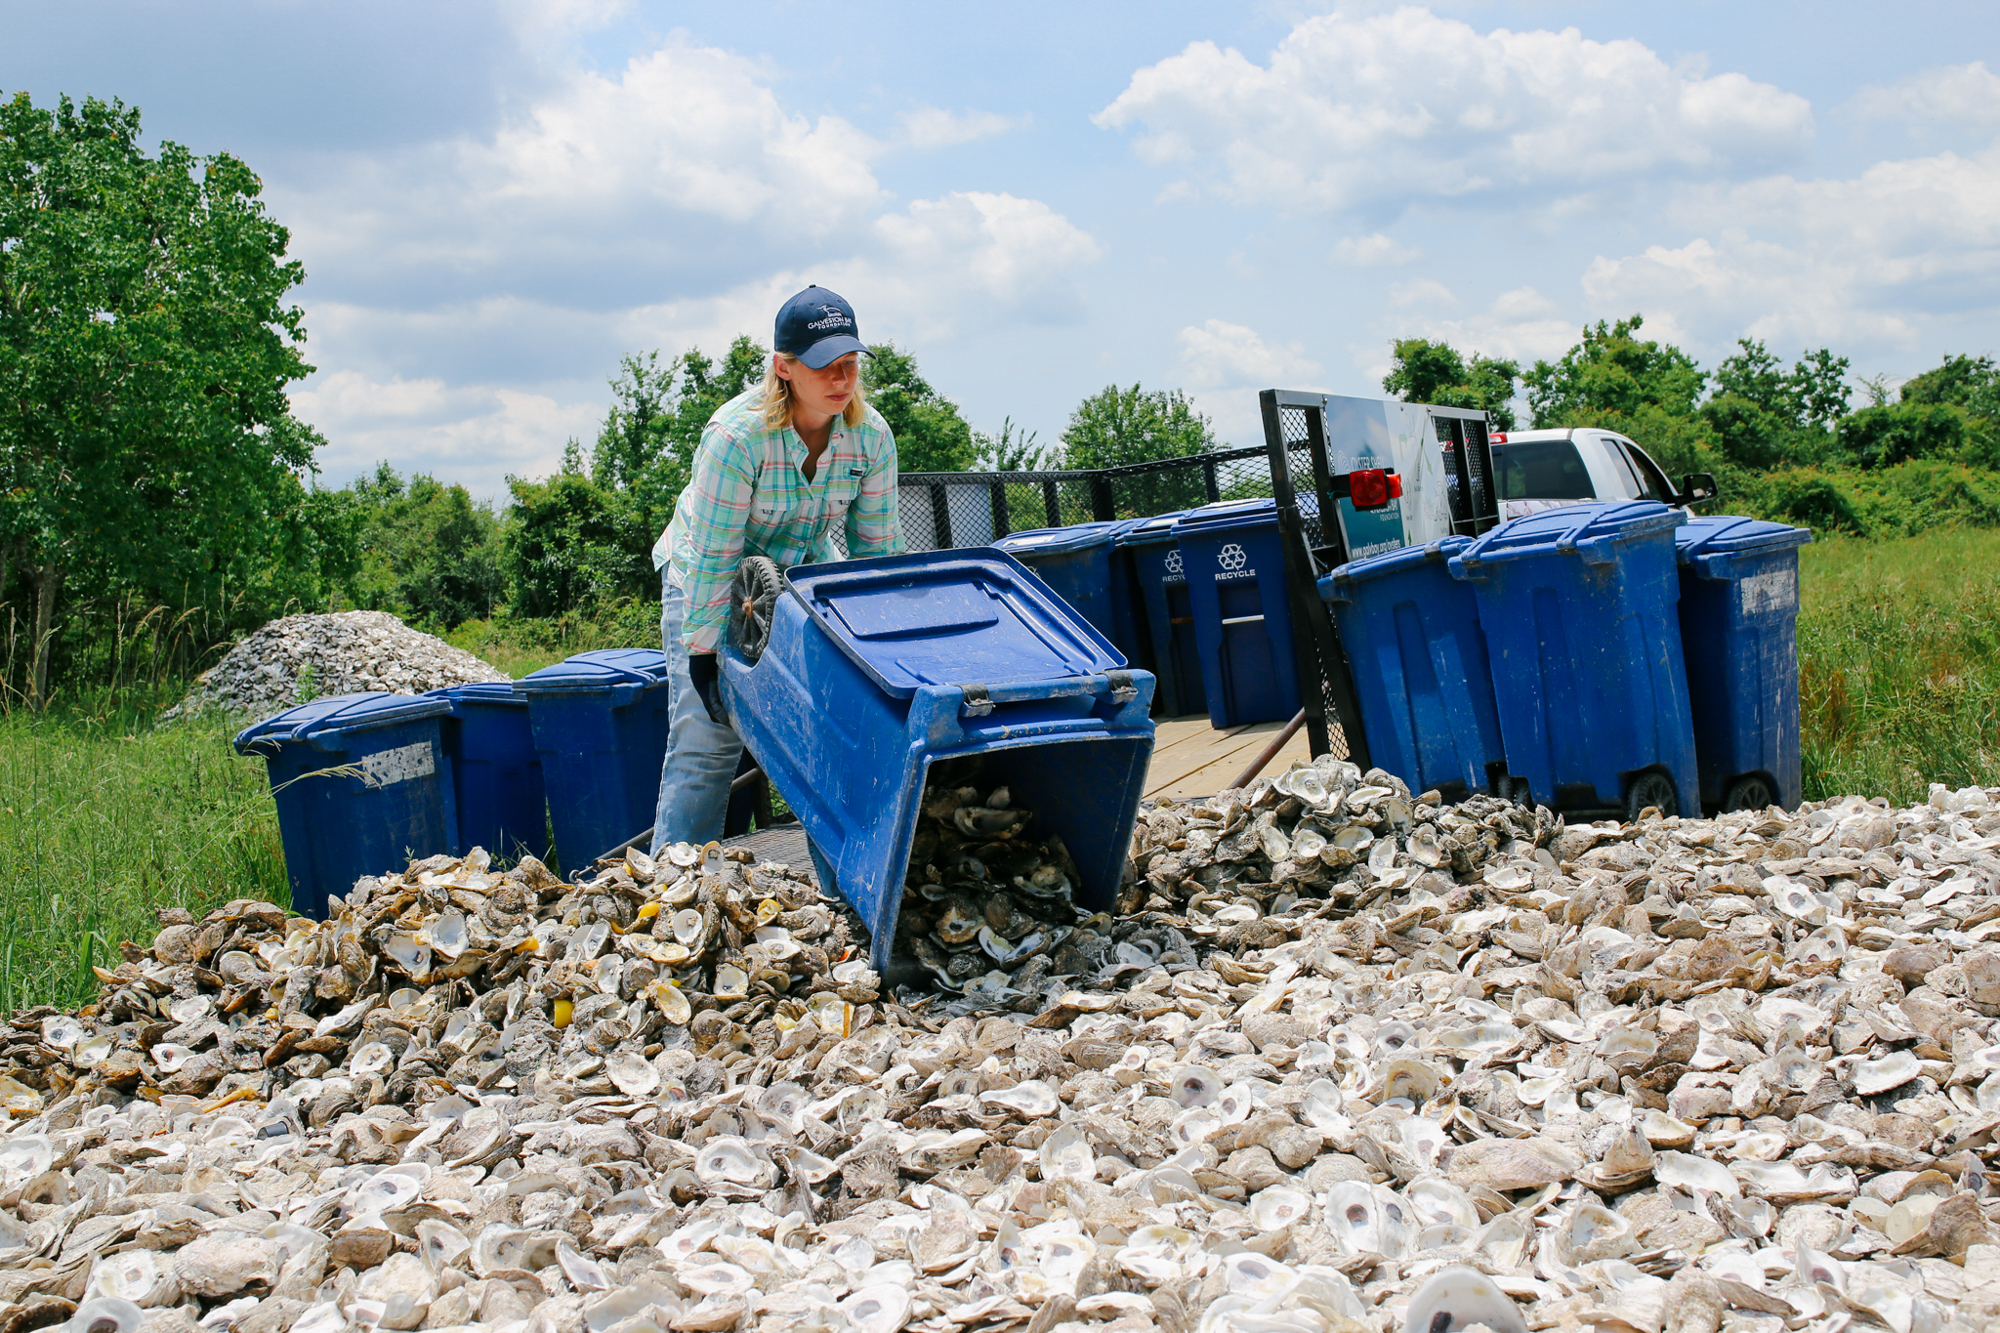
767 509
841 489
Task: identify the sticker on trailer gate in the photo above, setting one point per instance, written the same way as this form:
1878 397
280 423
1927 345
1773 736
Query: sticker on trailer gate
1775 591
388 767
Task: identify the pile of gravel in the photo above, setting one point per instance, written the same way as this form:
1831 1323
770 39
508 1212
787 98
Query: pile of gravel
320 655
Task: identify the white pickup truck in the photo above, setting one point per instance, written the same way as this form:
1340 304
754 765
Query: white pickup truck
1546 469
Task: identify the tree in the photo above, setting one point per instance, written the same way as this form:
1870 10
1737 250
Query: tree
930 434
145 436
1434 372
428 551
570 542
1898 432
1960 381
1012 450
1117 426
1611 370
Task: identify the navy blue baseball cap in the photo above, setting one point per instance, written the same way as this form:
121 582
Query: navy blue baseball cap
817 326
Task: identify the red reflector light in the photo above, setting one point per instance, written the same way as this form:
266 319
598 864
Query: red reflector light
1497 437
1395 486
1368 488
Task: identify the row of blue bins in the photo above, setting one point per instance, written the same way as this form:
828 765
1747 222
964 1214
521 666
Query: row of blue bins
1606 656
1198 595
365 781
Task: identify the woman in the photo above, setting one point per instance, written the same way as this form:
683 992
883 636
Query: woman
776 469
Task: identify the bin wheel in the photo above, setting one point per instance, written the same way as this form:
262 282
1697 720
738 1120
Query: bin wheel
1652 789
1752 791
752 600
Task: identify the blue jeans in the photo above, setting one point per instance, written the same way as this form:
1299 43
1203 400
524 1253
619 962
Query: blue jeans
701 753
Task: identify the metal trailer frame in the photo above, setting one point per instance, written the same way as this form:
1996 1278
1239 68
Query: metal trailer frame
1292 418
939 510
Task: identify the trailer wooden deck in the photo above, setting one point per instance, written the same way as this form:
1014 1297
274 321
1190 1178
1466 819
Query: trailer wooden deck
1192 757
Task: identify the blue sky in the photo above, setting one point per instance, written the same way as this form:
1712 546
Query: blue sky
495 201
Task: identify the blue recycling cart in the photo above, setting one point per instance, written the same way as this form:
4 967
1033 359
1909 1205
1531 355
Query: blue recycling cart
878 669
1580 610
1167 613
1739 613
362 785
600 726
1233 556
496 772
1085 565
1421 676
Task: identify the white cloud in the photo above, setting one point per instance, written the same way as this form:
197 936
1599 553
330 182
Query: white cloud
1967 96
1223 366
916 276
969 252
1824 261
472 434
603 185
1373 251
930 127
1217 353
1408 105
1521 325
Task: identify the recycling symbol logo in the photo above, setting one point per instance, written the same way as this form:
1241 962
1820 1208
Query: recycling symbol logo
1173 562
1232 558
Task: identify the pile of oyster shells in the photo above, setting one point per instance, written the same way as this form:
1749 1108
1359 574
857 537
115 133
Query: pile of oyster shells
988 910
1349 1060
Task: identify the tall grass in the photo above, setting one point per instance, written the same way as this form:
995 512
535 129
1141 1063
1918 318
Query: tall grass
1899 663
102 822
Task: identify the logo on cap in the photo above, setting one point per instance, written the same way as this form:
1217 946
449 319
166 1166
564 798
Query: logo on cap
1232 558
836 318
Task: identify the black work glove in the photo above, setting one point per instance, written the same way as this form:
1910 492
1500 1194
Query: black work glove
706 671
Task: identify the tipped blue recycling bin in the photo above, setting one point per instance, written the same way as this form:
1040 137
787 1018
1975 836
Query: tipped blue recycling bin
1167 613
390 800
600 726
1085 566
1421 676
1234 558
496 773
1580 611
1739 613
878 669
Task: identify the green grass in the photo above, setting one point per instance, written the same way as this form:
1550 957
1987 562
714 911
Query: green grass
1899 663
104 820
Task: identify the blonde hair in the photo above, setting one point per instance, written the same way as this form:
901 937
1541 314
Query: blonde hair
777 408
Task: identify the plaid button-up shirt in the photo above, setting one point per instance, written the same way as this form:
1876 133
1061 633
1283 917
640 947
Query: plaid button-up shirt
750 496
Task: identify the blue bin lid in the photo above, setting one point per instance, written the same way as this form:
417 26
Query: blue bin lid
1159 528
1335 585
1587 529
482 692
971 616
339 712
1729 535
600 670
1253 513
1061 541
